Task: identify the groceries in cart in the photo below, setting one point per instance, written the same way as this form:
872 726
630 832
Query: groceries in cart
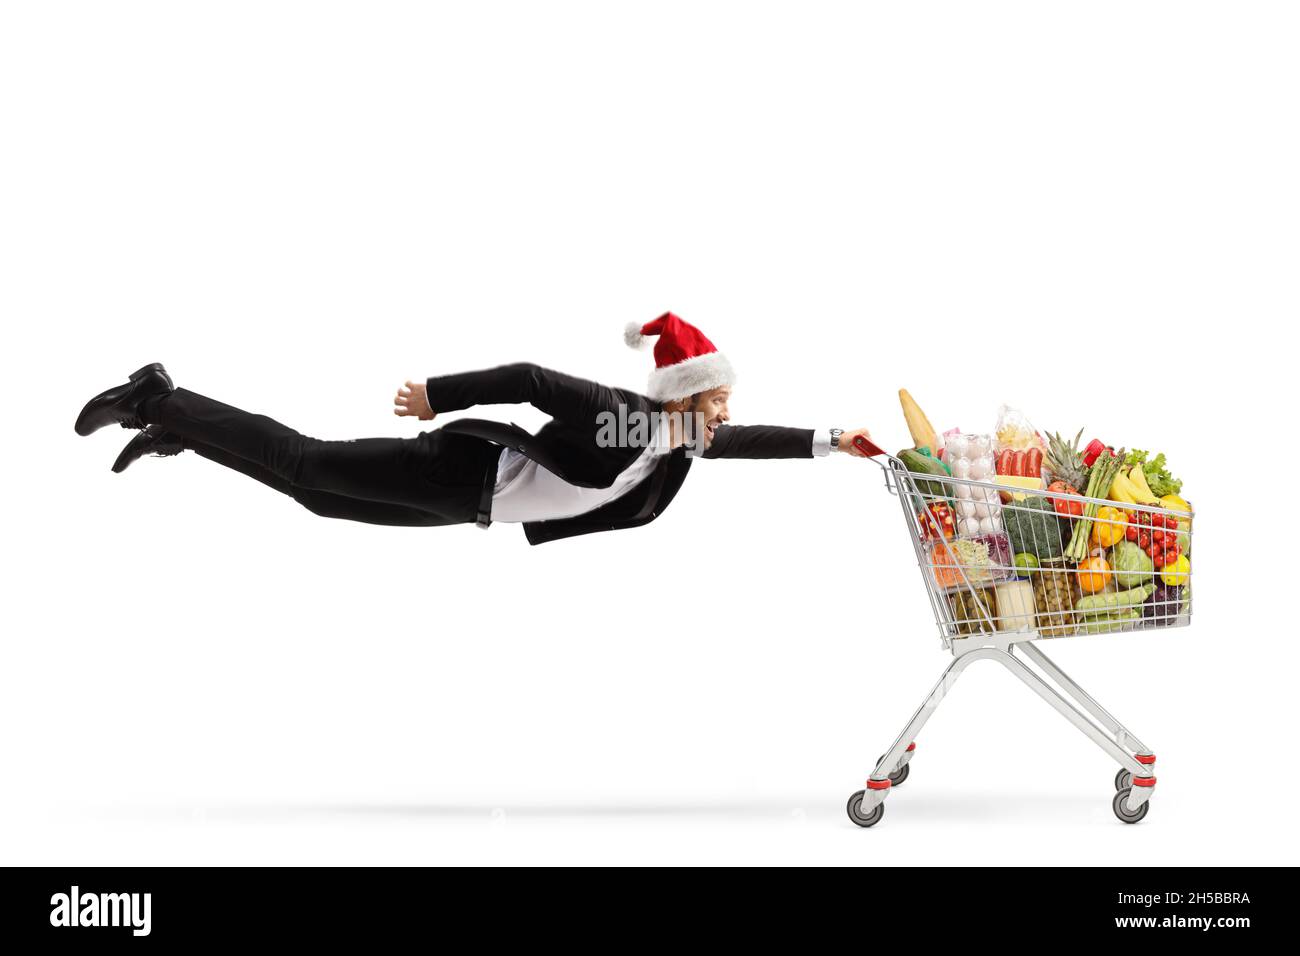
1021 530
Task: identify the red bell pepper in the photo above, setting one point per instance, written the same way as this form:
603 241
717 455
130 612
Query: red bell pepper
1095 448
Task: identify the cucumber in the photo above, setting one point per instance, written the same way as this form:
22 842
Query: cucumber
919 464
1105 623
928 452
1115 600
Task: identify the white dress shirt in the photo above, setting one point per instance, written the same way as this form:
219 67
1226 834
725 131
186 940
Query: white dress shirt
525 491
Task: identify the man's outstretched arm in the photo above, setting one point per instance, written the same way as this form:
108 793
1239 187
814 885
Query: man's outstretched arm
561 396
778 441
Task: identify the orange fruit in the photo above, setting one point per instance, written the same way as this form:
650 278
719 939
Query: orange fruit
1093 574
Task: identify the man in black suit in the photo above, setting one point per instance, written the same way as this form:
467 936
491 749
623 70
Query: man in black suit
609 458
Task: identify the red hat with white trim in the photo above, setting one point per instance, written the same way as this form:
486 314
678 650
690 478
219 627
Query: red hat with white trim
685 361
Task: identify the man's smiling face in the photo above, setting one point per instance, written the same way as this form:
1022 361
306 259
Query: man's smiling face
712 405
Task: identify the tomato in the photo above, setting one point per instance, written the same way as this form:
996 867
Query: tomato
1150 549
1131 533
1158 560
1063 506
1144 541
1158 537
1171 553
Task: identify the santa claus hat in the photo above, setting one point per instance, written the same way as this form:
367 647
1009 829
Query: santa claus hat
685 361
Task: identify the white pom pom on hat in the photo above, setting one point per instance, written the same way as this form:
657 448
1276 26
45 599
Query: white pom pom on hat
633 337
686 362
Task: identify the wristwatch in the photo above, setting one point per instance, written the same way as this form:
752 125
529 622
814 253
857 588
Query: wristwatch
835 437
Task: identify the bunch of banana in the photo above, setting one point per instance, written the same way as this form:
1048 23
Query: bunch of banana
1131 488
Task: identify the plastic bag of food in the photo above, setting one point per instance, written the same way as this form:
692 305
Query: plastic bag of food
979 560
1015 431
1000 567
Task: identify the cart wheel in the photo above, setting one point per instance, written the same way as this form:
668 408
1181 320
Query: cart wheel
898 776
1123 780
1123 812
866 819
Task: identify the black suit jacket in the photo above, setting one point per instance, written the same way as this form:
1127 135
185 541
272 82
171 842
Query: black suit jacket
567 445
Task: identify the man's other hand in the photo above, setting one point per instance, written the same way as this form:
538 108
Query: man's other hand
846 442
412 400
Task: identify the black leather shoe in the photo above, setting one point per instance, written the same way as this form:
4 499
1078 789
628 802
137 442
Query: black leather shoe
154 440
122 404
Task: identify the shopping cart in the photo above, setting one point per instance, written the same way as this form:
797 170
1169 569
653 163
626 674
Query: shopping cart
1003 572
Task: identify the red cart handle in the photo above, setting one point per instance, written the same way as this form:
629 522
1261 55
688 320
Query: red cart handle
865 445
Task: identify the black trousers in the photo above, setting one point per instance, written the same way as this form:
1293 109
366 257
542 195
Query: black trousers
432 479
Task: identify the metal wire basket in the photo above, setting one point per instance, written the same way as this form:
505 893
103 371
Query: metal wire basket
993 558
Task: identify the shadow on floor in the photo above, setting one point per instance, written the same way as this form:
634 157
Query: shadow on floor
949 808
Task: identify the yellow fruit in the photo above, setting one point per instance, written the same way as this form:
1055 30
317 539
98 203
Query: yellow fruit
1180 572
1142 491
1122 490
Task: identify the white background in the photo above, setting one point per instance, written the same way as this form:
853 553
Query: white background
1087 211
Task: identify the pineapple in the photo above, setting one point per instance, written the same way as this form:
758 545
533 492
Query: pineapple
1065 462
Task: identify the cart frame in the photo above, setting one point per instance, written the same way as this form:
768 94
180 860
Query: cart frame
1015 650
